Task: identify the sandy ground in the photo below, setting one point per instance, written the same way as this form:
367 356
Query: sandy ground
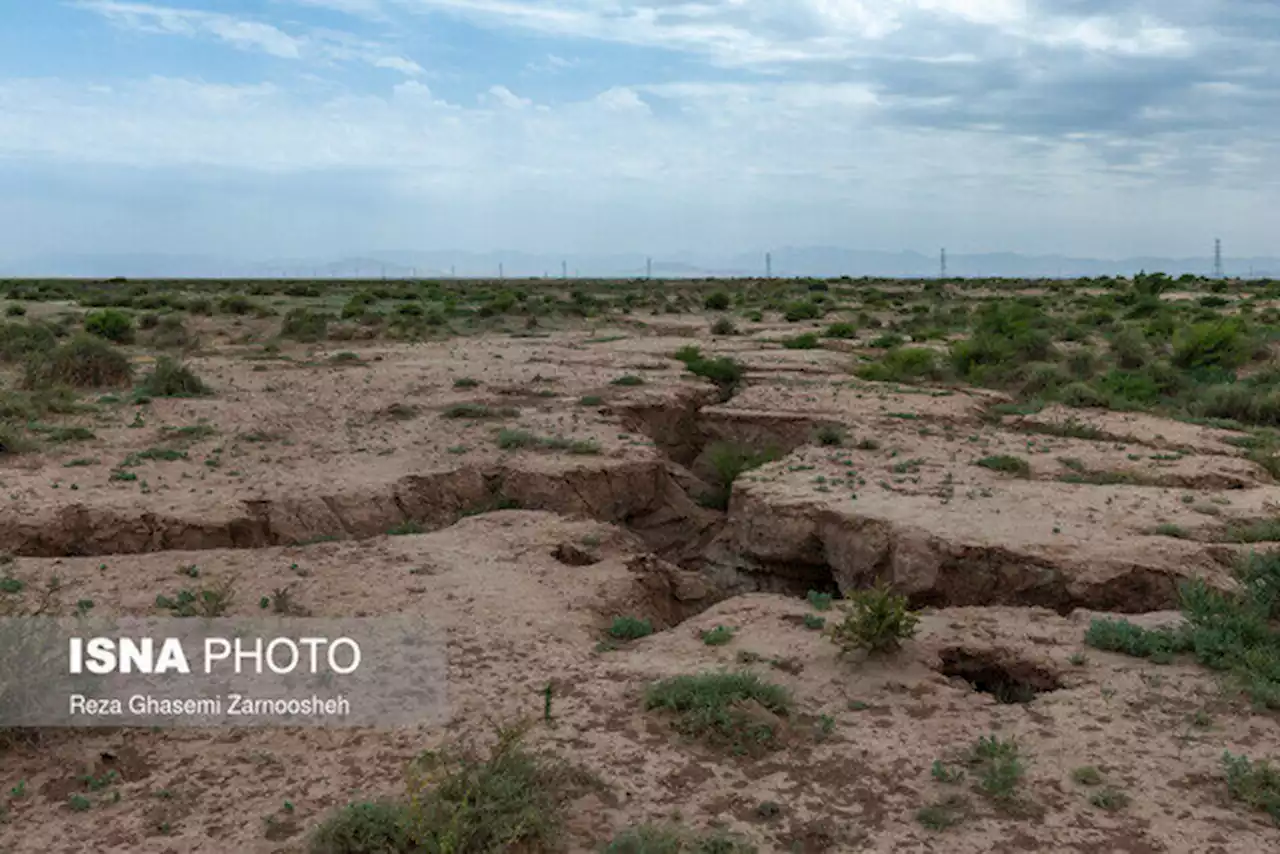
301 465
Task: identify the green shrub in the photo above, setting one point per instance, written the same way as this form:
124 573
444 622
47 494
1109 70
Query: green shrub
724 326
1257 784
802 310
1129 348
1007 464
830 435
630 628
711 706
1000 767
1007 335
509 800
171 334
302 324
725 372
13 439
1081 395
1229 632
171 378
372 827
237 304
841 330
1221 344
876 620
83 362
110 324
807 341
903 364
719 636
1159 645
728 460
1238 401
20 340
716 301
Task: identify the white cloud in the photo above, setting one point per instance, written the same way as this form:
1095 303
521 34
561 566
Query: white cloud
247 35
621 99
357 8
325 45
504 97
398 63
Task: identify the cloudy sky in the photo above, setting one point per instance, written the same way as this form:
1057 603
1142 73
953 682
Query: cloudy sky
323 127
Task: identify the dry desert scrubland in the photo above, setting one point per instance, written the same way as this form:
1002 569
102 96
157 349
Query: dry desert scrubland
786 565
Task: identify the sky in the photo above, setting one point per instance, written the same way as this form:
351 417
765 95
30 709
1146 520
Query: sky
318 128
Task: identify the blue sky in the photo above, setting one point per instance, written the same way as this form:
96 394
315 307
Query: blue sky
329 127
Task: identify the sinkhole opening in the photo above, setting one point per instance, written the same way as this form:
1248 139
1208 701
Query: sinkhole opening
1003 676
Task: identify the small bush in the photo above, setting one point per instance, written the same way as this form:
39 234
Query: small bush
238 304
1221 344
509 800
876 620
478 410
374 827
1000 767
171 378
728 460
719 636
630 628
171 334
716 707
83 362
841 330
807 341
802 310
903 364
18 341
627 380
716 301
726 373
111 324
1256 784
302 324
1006 464
13 440
724 326
830 435
651 839
207 602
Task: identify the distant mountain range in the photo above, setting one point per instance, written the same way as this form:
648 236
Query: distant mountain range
822 261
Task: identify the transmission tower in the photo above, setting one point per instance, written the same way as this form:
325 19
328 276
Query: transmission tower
768 265
943 265
501 274
1217 258
648 268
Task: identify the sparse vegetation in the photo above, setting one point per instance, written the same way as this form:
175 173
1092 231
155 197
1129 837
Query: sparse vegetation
737 710
1231 632
1006 464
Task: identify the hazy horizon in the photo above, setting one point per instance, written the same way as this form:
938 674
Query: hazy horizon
323 129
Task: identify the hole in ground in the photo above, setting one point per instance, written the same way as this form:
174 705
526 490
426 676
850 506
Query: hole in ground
1003 676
